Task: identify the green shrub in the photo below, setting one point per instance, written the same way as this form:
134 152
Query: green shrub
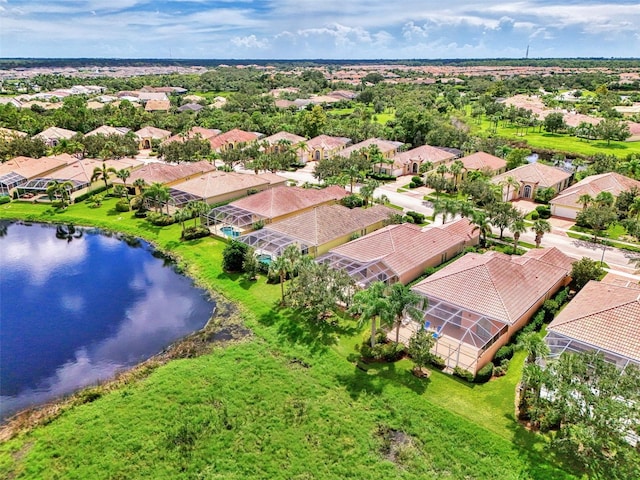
4 199
233 256
544 211
191 233
141 214
136 203
417 180
535 215
352 201
417 217
430 271
160 219
437 362
95 191
463 374
484 374
122 205
408 219
504 353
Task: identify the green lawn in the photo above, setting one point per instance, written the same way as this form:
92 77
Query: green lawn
556 141
289 402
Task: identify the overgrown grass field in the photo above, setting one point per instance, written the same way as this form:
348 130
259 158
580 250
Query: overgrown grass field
291 401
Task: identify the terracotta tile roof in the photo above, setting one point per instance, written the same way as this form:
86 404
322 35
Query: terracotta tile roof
82 170
493 284
604 316
327 142
33 167
216 183
551 256
290 137
483 161
611 182
400 247
55 133
329 222
425 153
232 137
157 105
166 173
280 201
537 173
462 227
620 281
205 133
108 130
153 132
385 146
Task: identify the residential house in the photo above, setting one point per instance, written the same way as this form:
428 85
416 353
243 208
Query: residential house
475 304
193 132
603 318
231 139
146 136
216 186
158 106
400 253
52 135
166 173
272 205
409 162
483 162
531 178
325 146
281 141
108 130
387 148
318 230
567 204
8 133
19 170
190 107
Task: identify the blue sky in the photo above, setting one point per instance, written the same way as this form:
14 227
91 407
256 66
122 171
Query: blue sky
332 29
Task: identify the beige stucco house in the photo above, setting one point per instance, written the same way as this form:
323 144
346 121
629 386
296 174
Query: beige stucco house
531 178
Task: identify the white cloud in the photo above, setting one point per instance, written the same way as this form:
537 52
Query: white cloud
250 41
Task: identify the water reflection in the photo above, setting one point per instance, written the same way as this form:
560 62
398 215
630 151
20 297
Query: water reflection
74 326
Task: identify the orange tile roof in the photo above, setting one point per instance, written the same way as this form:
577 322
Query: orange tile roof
536 173
483 161
32 167
604 316
425 153
232 137
462 227
400 247
493 284
611 182
329 222
157 105
167 173
279 201
385 146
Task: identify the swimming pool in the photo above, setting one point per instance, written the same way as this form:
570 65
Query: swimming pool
230 232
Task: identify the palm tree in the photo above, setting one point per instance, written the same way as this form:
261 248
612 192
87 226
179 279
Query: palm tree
102 173
442 170
182 215
634 208
585 200
517 227
534 345
456 169
353 174
61 191
140 184
631 166
446 207
541 227
197 208
123 174
158 194
482 225
367 190
403 301
371 304
285 264
509 182
605 199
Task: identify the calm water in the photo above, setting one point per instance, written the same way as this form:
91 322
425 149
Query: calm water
76 308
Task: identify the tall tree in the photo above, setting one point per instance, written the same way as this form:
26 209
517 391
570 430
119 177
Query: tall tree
370 304
540 227
517 227
123 175
102 173
403 301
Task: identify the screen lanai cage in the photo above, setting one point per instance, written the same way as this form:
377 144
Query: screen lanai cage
272 243
39 185
462 335
559 344
10 180
363 273
230 220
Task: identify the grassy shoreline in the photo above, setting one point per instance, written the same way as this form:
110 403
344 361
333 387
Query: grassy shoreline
287 403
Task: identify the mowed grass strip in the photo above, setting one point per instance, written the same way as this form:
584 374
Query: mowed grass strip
288 403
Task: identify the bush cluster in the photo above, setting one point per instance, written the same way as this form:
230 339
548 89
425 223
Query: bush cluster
382 352
417 217
437 362
544 211
463 374
352 201
160 219
416 182
484 374
191 233
122 205
95 191
4 199
504 353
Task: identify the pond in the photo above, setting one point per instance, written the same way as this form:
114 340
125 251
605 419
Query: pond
78 305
